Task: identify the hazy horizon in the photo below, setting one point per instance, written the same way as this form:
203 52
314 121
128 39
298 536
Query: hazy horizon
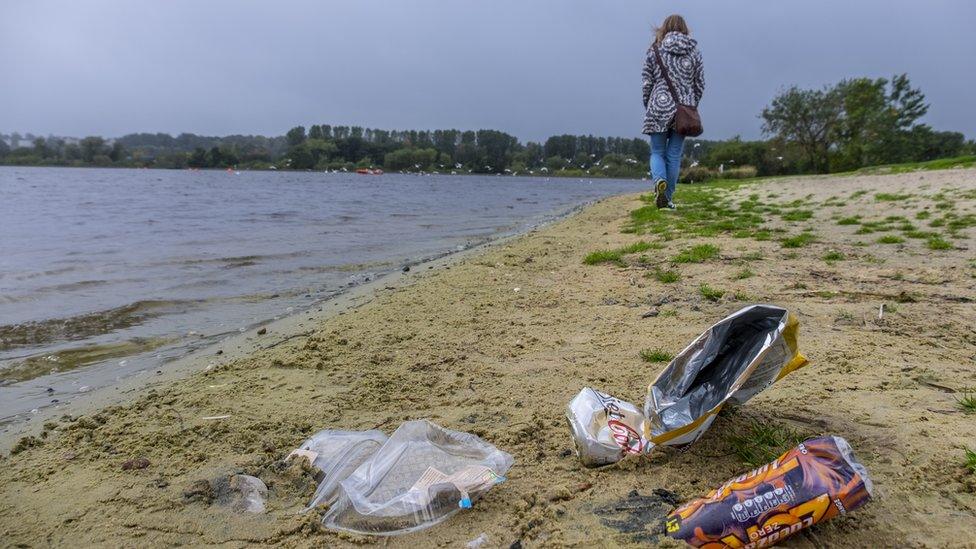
110 68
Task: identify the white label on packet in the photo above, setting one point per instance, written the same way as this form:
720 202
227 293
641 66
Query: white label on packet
465 480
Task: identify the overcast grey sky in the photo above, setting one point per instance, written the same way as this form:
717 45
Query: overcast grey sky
529 67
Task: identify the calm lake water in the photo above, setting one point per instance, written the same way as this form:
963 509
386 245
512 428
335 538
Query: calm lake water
121 270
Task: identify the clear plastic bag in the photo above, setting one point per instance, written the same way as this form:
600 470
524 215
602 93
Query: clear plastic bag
422 475
337 454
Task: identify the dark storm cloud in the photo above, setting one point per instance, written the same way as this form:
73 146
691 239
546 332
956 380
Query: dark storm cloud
530 67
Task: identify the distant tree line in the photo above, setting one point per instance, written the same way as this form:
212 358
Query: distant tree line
854 123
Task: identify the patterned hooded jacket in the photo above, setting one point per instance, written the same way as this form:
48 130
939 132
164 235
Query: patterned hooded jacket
684 62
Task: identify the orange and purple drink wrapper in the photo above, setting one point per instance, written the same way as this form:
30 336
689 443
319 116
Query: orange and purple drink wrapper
814 482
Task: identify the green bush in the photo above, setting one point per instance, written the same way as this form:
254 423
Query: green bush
742 172
697 174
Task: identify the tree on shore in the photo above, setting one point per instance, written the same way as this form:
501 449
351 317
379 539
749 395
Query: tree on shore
806 118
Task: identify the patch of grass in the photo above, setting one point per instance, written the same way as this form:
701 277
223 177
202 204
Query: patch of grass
616 256
890 239
760 442
834 255
923 215
638 247
665 277
753 256
971 461
602 256
960 222
709 293
668 313
696 254
744 274
798 241
856 194
655 355
920 235
707 209
968 403
741 295
797 215
853 220
892 197
938 243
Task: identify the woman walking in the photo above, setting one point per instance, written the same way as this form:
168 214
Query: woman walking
677 54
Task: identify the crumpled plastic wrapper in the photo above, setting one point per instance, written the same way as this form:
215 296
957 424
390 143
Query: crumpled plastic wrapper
732 361
337 454
417 478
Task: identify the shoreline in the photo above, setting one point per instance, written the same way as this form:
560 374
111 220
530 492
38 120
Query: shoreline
240 345
337 172
498 342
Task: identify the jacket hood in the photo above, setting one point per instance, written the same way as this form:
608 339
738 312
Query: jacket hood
677 43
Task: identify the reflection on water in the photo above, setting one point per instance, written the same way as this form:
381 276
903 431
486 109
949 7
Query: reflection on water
100 265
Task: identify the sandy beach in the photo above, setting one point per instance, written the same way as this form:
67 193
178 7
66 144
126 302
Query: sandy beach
496 343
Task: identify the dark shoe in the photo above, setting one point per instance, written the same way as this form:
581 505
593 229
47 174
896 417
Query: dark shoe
661 193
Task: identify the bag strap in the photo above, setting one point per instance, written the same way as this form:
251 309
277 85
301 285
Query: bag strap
664 73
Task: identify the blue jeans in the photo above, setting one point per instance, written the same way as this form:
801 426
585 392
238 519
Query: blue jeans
666 149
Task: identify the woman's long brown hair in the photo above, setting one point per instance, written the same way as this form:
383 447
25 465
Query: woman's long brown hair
674 23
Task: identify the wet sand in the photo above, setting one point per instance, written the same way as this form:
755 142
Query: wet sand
497 343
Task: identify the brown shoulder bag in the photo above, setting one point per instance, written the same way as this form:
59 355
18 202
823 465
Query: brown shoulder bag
687 121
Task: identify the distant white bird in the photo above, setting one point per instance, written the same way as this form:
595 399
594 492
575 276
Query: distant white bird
697 145
544 169
693 164
779 158
458 165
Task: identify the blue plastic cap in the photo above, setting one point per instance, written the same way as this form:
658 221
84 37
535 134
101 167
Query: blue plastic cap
465 503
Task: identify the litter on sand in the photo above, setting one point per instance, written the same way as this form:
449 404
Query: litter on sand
337 454
732 361
416 478
243 493
816 481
